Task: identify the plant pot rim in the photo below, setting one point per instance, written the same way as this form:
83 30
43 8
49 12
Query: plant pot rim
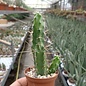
27 69
66 75
70 83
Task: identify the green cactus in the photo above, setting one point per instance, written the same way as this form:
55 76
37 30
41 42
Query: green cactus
38 44
54 65
38 49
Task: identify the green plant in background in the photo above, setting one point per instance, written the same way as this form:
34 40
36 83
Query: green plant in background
69 37
3 66
0 66
17 16
38 48
8 1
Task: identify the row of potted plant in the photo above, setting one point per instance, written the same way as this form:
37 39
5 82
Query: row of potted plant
4 6
68 37
15 34
66 12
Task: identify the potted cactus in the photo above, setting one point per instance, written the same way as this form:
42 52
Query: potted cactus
41 74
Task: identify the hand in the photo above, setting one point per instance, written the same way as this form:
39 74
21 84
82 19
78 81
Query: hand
20 82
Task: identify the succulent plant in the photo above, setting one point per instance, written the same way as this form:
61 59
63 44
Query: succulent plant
3 66
69 36
38 48
38 44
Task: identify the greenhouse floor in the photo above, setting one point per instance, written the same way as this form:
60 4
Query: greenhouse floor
27 60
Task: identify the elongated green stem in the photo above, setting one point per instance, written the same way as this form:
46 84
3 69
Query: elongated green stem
38 44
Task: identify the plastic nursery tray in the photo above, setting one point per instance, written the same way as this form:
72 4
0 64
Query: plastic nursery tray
9 60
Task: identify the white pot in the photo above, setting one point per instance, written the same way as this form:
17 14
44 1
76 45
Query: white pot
70 84
64 74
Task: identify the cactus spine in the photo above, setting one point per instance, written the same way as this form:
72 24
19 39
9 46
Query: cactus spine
38 44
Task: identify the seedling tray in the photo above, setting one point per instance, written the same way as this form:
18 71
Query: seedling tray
9 60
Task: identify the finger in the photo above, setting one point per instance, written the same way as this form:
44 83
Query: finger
16 83
20 82
23 81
